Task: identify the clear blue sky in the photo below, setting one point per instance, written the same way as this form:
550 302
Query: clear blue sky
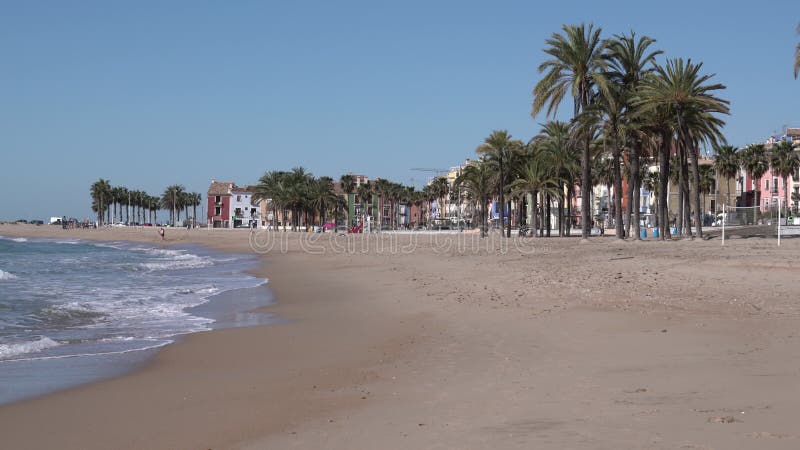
151 93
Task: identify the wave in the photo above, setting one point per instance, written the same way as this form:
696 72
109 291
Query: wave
69 315
18 239
21 348
79 355
179 261
6 275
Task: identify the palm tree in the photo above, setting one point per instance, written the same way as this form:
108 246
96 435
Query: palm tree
604 174
429 195
499 147
380 188
784 162
538 177
193 199
608 113
477 180
726 163
322 197
348 183
118 195
270 191
756 162
707 180
576 65
651 183
171 199
679 87
439 188
100 191
364 192
630 60
554 141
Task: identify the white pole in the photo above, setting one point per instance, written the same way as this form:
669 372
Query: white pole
779 222
724 207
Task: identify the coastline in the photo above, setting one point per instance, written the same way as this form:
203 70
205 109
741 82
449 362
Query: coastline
570 345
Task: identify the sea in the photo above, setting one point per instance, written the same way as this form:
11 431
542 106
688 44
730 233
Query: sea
74 312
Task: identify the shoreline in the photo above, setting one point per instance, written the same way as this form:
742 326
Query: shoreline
603 344
231 307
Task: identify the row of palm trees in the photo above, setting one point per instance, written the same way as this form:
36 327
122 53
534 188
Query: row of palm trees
626 107
298 195
546 169
302 199
110 202
756 160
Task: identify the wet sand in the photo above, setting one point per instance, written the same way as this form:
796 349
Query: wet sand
398 342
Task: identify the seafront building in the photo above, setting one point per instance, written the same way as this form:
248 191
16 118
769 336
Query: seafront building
230 206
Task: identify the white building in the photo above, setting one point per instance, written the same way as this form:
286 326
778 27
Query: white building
243 212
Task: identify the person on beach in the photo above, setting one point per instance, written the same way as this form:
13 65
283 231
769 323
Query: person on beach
161 233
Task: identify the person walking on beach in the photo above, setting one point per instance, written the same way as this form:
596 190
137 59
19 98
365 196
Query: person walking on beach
161 233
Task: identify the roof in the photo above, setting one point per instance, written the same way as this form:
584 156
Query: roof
221 188
250 189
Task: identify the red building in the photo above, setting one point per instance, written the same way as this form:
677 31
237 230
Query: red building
219 204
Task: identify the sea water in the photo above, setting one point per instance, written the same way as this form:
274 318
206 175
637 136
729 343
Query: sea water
73 311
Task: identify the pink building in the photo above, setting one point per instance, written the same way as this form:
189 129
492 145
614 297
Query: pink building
770 189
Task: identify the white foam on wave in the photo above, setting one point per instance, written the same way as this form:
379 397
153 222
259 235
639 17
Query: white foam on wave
115 245
177 264
159 344
168 259
21 348
6 275
18 239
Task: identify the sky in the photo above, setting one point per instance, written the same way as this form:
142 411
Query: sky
152 93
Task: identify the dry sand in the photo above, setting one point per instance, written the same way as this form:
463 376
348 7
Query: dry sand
399 342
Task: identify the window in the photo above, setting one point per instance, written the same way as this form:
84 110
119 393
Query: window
238 198
217 199
217 211
766 184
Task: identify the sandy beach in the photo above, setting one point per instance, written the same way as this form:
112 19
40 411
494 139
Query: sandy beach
406 341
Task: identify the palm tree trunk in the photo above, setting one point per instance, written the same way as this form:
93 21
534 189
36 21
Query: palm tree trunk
548 216
635 183
586 190
618 191
628 208
569 209
785 195
534 212
662 193
484 218
729 194
687 209
698 208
